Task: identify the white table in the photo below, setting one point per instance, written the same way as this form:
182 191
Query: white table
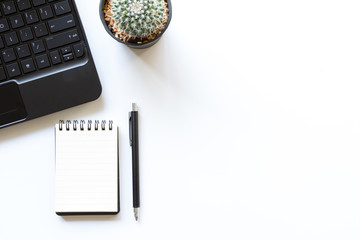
249 128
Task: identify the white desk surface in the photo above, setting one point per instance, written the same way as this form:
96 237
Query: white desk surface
249 128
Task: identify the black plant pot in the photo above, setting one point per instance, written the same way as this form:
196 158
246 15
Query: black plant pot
132 44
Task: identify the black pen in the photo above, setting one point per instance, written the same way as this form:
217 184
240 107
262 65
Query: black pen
134 143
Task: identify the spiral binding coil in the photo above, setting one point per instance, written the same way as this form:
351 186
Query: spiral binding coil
82 124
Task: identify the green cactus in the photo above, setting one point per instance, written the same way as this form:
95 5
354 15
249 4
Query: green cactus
137 20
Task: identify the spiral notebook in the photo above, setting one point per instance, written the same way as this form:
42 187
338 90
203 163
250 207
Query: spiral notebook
87 168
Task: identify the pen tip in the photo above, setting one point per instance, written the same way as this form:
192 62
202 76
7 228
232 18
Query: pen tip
136 213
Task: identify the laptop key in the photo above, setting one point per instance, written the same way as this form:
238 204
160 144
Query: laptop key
28 65
4 26
62 39
45 12
42 61
31 17
23 4
13 70
38 46
16 21
65 50
62 8
79 50
68 57
40 30
23 51
26 34
55 57
61 23
11 38
38 2
8 55
8 7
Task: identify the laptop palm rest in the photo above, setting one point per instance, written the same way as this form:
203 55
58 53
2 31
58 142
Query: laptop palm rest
12 107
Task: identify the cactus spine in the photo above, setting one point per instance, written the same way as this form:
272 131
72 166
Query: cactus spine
136 20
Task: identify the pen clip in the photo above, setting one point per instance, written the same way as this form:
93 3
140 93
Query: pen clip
130 130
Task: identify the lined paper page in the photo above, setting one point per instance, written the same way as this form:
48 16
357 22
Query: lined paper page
86 170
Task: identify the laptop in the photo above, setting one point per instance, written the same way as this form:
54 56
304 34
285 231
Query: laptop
45 61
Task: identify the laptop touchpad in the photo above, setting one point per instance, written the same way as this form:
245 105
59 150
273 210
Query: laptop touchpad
11 104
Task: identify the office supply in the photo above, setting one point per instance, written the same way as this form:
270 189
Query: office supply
87 169
134 143
45 64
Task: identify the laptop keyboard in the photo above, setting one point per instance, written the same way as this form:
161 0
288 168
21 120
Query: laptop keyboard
36 35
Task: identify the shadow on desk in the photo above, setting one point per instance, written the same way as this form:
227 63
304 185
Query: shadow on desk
161 57
91 218
78 112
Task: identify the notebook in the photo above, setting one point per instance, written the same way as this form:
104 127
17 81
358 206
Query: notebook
87 168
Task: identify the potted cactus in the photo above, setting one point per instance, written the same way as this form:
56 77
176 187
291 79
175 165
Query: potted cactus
136 23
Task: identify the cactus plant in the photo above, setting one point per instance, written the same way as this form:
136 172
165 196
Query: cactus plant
137 21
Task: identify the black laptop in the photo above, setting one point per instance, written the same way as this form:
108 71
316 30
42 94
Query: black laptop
45 60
